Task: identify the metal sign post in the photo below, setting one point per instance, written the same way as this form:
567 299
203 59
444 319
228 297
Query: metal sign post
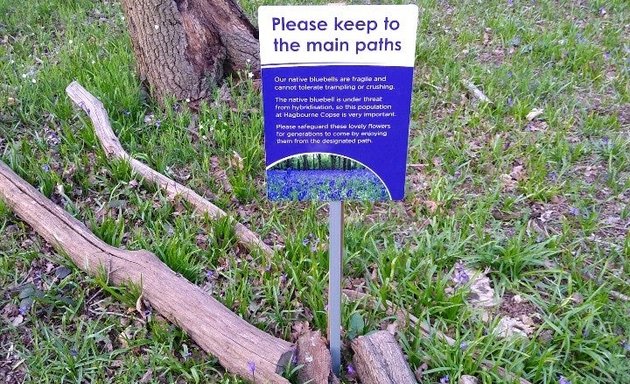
335 257
337 86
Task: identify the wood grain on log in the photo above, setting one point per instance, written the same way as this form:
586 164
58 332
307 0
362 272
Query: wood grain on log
379 360
314 357
427 331
114 150
210 324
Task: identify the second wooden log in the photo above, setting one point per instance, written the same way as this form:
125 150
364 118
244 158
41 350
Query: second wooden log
379 360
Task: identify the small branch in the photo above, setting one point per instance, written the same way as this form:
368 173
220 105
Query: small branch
114 150
476 92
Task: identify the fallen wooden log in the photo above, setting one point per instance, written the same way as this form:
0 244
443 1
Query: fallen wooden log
239 346
314 357
427 331
379 360
114 150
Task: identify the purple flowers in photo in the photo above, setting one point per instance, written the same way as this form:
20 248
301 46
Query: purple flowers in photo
325 185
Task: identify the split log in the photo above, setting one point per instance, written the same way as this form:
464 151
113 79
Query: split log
379 360
427 331
114 150
314 357
236 343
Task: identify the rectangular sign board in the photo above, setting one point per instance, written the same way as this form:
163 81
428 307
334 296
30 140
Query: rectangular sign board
336 84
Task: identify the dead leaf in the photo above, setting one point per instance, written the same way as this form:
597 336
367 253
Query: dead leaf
577 298
499 215
392 328
19 319
486 36
59 189
127 334
139 306
62 272
9 311
236 161
299 328
133 184
419 372
475 91
534 114
518 173
510 326
509 184
466 379
219 173
481 293
537 126
432 206
148 376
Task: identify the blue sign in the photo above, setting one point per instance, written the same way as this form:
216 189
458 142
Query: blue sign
336 84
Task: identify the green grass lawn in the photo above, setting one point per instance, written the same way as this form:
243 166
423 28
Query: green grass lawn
543 205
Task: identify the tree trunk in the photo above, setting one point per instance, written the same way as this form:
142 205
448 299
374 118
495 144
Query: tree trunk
183 48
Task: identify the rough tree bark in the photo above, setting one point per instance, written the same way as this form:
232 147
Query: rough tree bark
184 47
379 360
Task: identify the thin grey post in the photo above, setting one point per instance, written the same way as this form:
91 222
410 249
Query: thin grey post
335 255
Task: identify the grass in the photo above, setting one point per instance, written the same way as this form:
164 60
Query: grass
543 204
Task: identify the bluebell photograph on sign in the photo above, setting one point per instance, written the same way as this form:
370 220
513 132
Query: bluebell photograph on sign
324 177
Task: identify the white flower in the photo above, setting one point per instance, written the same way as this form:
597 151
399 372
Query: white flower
33 81
250 75
70 42
156 27
24 75
93 62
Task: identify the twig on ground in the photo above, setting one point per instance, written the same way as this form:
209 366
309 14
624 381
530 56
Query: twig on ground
114 150
476 92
